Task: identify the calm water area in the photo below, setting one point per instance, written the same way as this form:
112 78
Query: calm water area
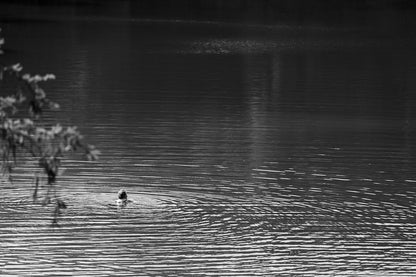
248 150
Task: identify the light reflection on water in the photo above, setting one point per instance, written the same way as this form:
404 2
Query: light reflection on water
243 156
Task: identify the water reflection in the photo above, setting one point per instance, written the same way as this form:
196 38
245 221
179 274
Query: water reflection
288 154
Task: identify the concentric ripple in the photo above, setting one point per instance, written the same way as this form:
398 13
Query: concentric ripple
285 230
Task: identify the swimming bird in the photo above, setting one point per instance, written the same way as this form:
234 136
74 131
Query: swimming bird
122 198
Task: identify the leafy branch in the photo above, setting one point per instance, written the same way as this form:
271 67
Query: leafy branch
22 130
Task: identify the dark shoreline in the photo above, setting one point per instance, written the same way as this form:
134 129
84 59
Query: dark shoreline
384 14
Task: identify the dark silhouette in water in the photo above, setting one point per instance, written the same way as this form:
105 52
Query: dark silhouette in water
122 198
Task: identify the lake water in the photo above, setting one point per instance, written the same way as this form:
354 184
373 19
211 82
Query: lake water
248 150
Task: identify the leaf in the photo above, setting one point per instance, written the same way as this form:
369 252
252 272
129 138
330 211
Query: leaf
26 77
71 130
37 78
28 121
7 101
17 67
49 77
54 106
57 129
95 153
40 93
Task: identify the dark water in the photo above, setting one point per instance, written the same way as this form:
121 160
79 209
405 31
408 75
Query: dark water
248 151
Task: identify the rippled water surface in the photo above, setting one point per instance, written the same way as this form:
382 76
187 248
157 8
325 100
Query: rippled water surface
247 151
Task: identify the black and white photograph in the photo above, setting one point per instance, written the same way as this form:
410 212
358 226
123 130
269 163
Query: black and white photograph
208 138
